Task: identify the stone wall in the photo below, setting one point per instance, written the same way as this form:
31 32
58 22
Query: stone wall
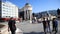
3 29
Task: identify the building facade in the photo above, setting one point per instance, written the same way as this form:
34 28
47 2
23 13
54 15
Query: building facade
52 12
44 14
7 10
26 12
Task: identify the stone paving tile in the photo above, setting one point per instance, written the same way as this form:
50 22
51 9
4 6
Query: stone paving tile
27 26
18 31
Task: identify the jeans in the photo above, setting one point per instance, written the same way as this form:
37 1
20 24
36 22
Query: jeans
48 29
12 32
55 28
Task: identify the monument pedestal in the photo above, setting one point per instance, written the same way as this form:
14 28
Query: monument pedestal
30 21
3 29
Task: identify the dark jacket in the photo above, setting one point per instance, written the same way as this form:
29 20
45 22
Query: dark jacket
44 24
55 23
11 24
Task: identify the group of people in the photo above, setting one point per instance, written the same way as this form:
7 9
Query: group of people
46 26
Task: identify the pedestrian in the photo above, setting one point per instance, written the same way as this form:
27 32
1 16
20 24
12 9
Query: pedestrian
55 25
11 25
21 19
44 25
33 19
48 26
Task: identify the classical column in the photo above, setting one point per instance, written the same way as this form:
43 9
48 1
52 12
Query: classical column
30 16
27 15
24 15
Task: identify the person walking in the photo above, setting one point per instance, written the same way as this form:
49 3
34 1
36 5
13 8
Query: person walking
44 25
48 26
33 19
55 25
11 25
21 19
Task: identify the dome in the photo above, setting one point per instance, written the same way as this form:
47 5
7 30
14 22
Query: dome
27 4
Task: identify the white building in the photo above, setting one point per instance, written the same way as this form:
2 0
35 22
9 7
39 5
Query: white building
8 10
27 12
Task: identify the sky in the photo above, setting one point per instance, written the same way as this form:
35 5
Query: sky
38 5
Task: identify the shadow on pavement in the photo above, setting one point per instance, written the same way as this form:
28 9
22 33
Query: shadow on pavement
34 33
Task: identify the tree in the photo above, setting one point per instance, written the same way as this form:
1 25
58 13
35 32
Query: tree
40 15
58 11
33 14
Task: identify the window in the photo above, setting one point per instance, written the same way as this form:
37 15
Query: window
3 16
9 16
3 4
3 13
3 10
6 16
